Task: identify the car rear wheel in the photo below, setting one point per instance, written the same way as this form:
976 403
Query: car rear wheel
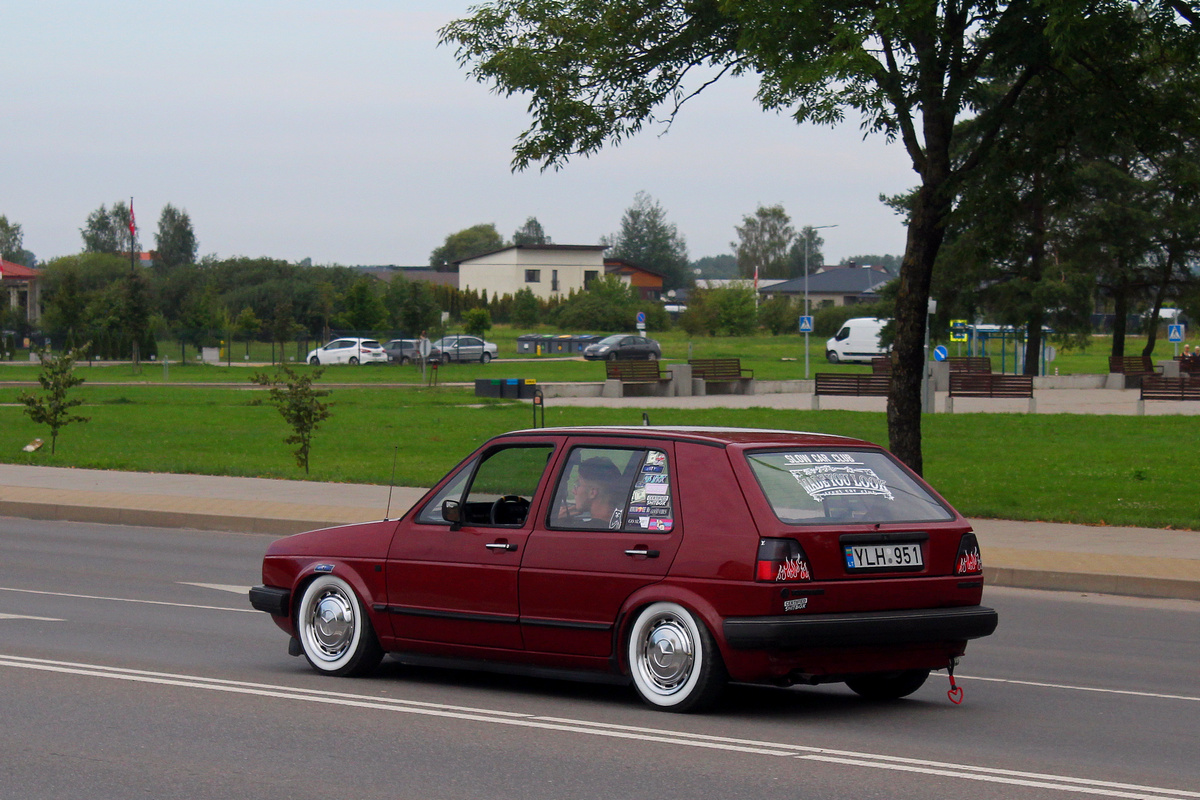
652 356
831 357
316 362
335 634
888 685
485 358
674 663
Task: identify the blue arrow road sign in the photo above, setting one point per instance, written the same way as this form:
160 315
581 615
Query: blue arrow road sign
940 353
1175 333
806 324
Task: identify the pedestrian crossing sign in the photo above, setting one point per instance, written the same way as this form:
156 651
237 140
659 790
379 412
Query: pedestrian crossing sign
806 324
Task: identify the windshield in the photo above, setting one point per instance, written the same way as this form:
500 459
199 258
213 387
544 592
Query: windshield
818 486
612 340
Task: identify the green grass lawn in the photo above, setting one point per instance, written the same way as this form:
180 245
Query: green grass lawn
771 358
1115 470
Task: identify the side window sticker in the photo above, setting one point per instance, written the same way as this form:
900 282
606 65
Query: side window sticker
650 505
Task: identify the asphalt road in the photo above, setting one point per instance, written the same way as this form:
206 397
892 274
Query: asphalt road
131 666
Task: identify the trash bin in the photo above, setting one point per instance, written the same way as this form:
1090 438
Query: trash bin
526 388
580 342
488 387
560 344
527 343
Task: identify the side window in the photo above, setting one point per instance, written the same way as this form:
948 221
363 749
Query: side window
432 512
504 485
613 489
843 334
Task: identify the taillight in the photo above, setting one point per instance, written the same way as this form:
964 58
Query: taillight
781 560
968 561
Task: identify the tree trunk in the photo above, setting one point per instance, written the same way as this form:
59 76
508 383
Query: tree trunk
1120 317
926 229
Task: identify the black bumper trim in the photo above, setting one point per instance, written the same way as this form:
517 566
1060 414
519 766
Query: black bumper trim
271 599
912 626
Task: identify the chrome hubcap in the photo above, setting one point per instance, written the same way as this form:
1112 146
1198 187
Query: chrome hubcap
666 654
331 624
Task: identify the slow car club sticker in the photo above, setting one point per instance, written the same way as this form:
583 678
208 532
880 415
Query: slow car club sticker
835 475
651 500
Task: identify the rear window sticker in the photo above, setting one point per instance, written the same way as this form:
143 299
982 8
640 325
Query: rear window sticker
837 481
657 488
820 458
646 479
656 457
652 468
639 509
639 496
614 522
660 524
658 500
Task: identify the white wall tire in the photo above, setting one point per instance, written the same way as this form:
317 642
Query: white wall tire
334 631
674 663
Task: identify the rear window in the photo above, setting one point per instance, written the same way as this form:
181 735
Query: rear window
822 486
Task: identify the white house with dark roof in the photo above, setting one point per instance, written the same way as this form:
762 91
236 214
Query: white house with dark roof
548 270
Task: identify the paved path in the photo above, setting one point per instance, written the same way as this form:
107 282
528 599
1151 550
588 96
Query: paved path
1130 561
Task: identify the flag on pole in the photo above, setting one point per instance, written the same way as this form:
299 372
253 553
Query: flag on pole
132 221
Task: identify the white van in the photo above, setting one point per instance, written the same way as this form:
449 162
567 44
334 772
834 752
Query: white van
858 340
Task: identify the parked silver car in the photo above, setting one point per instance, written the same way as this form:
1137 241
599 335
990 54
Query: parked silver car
466 348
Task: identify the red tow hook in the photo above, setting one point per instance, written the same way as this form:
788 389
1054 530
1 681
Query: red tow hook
955 693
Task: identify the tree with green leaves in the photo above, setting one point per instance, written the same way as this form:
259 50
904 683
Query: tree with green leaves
299 404
12 246
57 377
526 308
763 241
175 242
108 230
467 243
530 233
597 73
806 253
364 309
648 240
477 322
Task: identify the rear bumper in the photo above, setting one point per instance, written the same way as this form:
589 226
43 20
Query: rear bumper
912 626
271 599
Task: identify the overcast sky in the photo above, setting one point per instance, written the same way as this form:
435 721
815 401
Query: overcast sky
341 132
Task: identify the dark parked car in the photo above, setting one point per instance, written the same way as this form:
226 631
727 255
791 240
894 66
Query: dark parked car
674 559
621 345
406 351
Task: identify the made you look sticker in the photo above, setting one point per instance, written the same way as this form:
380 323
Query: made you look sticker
836 475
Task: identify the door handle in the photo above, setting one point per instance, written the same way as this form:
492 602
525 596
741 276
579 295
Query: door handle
641 551
501 546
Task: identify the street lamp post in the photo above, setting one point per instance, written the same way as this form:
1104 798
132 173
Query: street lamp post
806 310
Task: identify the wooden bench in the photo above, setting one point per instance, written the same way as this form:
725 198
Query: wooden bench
849 384
991 385
1190 365
970 364
1156 387
638 373
881 365
1134 368
727 371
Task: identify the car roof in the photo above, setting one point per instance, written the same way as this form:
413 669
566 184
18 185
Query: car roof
714 436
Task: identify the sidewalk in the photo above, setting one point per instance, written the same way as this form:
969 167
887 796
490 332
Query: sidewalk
1128 561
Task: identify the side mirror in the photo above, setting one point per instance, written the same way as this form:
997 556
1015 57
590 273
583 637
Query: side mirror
452 513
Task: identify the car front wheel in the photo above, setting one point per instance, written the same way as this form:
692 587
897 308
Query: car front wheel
831 357
335 634
888 685
674 663
316 362
652 357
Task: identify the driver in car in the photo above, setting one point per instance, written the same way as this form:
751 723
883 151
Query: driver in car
596 501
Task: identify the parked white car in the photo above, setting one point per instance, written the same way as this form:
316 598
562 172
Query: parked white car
348 351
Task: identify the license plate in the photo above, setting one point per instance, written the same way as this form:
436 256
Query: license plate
883 556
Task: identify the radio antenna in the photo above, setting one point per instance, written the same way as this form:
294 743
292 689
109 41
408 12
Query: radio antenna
395 452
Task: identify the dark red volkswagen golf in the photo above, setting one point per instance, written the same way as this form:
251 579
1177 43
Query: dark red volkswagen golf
676 559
